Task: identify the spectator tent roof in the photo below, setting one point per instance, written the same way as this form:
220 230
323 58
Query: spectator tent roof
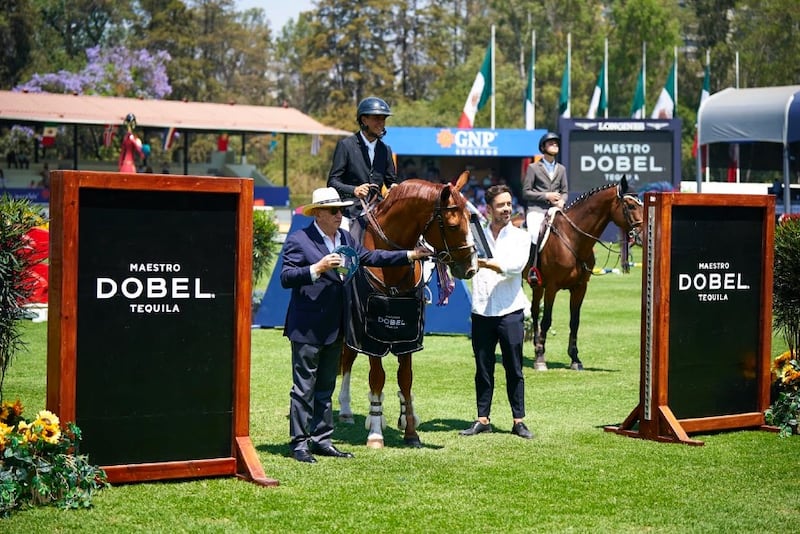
758 114
186 116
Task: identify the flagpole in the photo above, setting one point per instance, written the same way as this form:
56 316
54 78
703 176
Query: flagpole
533 77
707 167
569 72
605 77
493 84
644 77
675 82
736 146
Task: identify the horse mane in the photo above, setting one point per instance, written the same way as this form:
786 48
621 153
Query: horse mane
587 194
416 189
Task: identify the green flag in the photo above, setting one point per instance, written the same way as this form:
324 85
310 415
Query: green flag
563 102
637 107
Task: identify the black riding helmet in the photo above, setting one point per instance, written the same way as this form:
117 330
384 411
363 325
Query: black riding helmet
549 136
130 120
372 105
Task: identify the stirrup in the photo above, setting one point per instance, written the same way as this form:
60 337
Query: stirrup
534 277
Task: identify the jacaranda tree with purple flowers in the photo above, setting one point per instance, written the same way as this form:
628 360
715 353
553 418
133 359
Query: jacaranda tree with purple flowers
116 71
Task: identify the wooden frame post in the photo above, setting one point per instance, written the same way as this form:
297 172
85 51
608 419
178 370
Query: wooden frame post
149 327
706 316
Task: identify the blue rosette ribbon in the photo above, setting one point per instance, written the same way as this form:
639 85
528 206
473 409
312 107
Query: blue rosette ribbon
350 262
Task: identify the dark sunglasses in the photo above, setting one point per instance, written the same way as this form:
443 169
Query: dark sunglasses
334 211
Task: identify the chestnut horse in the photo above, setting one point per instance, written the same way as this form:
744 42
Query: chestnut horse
412 210
566 258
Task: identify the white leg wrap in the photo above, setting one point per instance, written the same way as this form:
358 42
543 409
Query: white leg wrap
345 410
375 422
401 421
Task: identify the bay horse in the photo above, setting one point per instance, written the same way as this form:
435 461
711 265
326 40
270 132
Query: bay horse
566 258
413 209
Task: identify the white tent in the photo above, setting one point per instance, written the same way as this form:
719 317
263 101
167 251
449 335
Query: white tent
759 114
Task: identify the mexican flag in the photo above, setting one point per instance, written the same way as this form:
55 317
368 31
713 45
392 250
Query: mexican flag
637 106
49 134
529 109
599 101
665 106
480 92
563 100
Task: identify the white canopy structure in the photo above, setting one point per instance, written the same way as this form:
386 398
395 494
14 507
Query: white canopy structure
759 114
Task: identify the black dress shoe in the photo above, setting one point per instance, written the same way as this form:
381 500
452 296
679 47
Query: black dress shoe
330 450
476 428
302 455
519 429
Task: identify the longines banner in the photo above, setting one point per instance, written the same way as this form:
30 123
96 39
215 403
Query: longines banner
598 152
156 280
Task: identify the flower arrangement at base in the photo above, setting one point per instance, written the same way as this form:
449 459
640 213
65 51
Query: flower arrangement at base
785 411
40 464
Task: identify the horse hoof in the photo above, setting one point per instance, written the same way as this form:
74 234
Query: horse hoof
576 366
539 366
413 442
375 443
346 418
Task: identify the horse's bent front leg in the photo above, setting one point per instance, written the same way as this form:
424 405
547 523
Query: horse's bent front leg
408 420
345 369
575 301
375 422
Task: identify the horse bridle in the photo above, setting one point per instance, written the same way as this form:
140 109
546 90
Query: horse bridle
626 212
445 256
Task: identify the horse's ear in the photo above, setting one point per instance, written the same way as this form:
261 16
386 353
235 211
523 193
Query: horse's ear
622 188
462 180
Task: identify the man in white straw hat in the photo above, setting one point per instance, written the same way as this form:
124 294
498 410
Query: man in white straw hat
315 315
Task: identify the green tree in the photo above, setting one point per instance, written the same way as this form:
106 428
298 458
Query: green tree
16 34
18 218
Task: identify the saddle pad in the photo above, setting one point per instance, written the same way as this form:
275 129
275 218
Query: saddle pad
393 319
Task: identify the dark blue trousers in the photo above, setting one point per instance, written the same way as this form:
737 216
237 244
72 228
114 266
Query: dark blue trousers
487 332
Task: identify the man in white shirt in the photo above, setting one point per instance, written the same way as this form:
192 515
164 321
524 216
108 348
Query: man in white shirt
498 304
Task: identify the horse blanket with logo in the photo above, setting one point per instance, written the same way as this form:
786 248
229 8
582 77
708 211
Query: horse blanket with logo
381 323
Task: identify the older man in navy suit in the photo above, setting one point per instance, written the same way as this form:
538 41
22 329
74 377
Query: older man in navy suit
315 315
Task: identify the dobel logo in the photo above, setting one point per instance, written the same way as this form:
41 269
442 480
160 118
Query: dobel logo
152 294
712 286
393 322
152 288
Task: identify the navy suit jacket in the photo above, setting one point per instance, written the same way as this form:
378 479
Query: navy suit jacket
316 309
351 168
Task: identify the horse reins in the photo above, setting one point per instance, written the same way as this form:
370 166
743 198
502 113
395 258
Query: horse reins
626 214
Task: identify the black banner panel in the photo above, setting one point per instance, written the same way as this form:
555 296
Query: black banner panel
597 158
715 310
155 325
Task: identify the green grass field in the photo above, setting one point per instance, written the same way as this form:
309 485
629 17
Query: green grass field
573 477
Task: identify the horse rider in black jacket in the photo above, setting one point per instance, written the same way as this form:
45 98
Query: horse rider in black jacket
363 162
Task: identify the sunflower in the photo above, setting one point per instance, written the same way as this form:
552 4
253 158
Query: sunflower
10 412
47 426
5 432
25 432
